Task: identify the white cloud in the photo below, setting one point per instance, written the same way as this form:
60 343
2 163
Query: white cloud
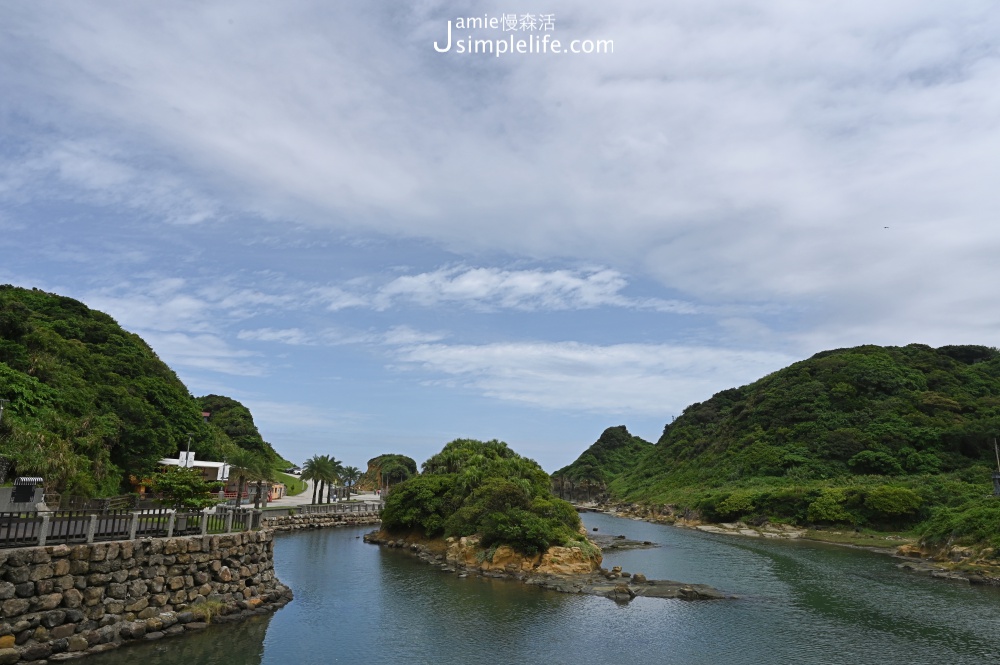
622 378
293 336
202 352
493 289
283 414
740 153
405 335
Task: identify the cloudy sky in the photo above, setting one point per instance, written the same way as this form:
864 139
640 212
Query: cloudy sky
379 244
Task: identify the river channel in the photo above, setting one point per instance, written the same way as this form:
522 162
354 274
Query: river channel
798 603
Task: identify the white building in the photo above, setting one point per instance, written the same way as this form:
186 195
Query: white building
210 470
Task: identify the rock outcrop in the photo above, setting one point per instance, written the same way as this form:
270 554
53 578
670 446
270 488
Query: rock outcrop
563 569
465 553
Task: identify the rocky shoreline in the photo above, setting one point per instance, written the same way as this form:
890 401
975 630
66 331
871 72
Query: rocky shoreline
958 564
563 569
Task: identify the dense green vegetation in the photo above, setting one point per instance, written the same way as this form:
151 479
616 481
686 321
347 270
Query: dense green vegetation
90 404
474 487
88 400
889 437
611 455
236 422
185 488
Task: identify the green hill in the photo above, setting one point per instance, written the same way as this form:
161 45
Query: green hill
386 470
235 421
607 458
893 437
91 403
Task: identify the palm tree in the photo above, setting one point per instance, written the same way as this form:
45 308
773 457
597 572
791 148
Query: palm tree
311 471
243 464
263 472
350 474
333 470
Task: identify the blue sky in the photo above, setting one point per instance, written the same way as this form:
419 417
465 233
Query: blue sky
379 247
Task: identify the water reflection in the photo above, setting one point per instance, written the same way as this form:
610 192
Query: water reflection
226 644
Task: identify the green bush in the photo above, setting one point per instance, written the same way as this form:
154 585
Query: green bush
737 505
974 523
472 487
875 462
887 502
829 508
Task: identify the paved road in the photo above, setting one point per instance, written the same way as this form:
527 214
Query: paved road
306 498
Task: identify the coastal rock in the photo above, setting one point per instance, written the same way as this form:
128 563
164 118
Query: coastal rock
568 561
563 569
910 551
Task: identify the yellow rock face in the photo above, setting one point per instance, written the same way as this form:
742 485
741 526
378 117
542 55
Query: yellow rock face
910 551
556 561
568 561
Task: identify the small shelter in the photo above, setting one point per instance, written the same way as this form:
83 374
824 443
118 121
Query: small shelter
25 488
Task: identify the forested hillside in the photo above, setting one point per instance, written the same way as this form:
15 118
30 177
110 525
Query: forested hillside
897 437
236 422
607 458
90 404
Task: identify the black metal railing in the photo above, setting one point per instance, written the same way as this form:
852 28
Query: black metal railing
19 529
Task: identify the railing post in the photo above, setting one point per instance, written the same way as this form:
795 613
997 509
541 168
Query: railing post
204 523
229 522
43 532
91 528
170 524
134 526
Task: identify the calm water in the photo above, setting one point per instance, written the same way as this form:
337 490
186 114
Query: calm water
800 603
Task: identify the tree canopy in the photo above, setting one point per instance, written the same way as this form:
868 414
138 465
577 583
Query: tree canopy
485 488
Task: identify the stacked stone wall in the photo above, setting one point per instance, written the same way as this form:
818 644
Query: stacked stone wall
64 601
321 521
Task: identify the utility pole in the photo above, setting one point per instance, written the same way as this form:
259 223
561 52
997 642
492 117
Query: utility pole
187 462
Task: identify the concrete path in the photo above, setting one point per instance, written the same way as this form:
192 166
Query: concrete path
305 498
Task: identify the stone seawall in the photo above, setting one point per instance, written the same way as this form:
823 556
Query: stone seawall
321 521
62 602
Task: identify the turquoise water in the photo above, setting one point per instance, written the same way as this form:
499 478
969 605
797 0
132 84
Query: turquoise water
799 603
